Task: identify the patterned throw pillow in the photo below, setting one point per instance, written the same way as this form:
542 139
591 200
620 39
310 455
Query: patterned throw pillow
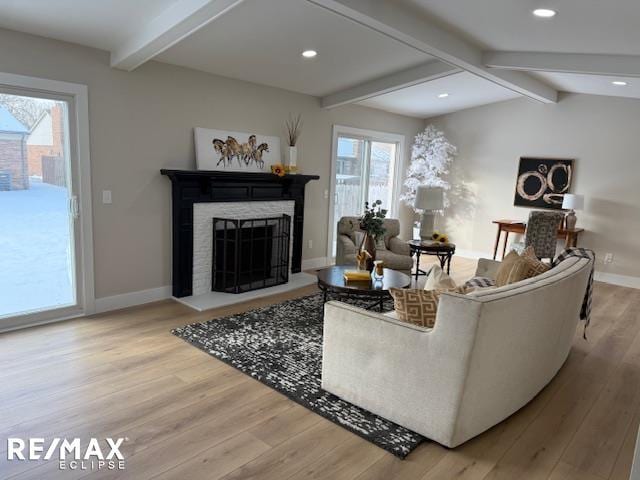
480 282
419 307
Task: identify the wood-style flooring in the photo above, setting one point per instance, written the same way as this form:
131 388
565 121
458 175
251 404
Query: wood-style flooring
189 416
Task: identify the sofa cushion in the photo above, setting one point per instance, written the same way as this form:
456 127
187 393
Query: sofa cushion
418 307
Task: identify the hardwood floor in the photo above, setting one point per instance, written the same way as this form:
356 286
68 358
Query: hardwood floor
189 416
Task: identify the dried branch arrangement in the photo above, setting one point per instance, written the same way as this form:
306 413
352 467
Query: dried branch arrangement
294 128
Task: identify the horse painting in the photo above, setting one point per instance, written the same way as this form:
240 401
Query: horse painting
245 153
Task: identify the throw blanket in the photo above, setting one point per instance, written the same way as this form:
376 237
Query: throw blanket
585 311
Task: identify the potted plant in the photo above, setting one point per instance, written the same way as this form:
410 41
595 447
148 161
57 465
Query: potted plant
294 130
372 224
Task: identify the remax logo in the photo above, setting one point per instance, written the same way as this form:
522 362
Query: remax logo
71 454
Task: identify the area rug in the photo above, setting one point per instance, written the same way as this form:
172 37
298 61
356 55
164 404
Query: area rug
281 346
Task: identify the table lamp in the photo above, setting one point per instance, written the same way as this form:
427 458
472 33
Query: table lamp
572 202
429 200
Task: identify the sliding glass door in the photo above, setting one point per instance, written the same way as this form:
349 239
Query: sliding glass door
39 231
365 170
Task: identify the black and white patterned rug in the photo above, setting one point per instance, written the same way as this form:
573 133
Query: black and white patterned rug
281 346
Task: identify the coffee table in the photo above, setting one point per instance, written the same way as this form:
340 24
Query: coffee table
331 282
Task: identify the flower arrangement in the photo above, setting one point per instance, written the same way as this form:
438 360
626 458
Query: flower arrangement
372 219
440 237
278 169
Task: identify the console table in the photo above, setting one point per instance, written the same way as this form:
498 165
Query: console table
570 236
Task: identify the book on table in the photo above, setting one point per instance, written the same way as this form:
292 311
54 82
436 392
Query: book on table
357 276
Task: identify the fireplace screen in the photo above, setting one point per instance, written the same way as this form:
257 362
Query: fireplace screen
249 254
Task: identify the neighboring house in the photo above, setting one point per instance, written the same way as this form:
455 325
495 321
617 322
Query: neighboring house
13 152
45 139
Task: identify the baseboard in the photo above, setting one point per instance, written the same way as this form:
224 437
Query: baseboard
313 263
132 299
615 279
9 327
472 254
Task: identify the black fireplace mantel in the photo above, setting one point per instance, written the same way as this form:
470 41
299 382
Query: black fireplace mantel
201 186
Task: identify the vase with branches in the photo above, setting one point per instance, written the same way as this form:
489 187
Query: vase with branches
294 129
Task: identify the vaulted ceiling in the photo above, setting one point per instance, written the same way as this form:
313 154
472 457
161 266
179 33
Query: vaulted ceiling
414 57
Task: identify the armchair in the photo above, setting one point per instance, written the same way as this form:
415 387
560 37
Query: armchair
393 251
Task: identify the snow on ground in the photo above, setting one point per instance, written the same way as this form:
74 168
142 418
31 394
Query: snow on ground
35 252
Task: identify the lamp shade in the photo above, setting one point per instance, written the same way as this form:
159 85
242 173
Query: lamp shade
429 198
571 201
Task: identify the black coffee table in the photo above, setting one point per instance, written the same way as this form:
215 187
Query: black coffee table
331 282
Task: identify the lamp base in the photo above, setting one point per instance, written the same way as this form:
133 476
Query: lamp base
570 220
427 225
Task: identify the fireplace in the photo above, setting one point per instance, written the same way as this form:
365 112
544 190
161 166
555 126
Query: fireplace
251 253
198 196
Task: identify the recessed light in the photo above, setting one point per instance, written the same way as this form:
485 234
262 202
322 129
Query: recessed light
309 53
544 12
443 95
620 83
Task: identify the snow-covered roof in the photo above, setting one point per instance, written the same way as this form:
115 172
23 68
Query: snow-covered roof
9 123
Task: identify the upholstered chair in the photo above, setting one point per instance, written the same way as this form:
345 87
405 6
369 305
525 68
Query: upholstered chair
393 251
542 233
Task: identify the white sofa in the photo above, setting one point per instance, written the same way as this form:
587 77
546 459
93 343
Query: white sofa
488 355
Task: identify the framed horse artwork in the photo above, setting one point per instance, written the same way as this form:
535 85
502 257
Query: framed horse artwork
235 151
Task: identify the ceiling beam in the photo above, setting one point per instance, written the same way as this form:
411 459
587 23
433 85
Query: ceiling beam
390 83
178 21
581 63
421 33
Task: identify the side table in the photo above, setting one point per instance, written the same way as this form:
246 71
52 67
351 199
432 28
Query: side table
444 252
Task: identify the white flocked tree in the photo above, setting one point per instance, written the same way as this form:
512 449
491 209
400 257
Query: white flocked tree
431 155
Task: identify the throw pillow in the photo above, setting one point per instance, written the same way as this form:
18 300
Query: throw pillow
515 268
502 275
438 280
418 307
480 282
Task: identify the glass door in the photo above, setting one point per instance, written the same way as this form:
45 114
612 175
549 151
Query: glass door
39 236
364 172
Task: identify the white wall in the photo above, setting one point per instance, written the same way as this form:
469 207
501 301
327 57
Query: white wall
601 133
142 121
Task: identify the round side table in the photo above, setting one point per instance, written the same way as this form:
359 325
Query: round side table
444 252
